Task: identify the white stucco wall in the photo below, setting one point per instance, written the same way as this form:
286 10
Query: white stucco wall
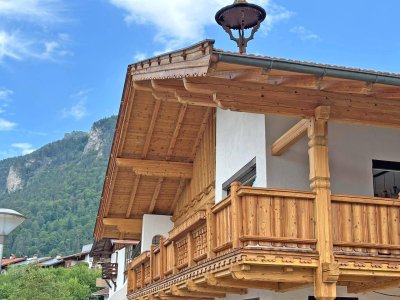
351 151
154 225
121 288
240 138
304 293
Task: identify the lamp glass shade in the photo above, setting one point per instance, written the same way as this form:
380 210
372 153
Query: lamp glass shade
9 220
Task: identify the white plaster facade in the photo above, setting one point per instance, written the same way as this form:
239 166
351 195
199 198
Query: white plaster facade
121 289
154 225
243 136
303 294
239 138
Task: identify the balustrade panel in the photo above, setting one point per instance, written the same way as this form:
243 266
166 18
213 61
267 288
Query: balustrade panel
366 224
278 219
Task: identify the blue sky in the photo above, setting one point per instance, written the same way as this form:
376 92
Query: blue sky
63 62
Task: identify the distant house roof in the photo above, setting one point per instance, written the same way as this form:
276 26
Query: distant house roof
102 292
10 261
52 262
32 261
87 248
80 255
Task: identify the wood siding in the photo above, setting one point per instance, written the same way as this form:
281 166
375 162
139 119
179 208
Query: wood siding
200 189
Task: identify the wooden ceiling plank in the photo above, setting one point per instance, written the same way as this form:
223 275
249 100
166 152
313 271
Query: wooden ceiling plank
157 168
290 137
130 98
181 293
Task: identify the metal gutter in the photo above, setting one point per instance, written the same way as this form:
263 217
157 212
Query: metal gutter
302 67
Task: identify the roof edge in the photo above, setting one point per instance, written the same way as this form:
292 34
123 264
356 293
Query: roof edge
308 68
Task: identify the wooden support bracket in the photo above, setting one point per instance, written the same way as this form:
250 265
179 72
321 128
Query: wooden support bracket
289 138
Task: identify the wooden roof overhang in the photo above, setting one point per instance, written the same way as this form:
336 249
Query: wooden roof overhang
168 99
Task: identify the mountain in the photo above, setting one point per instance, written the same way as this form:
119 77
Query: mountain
58 189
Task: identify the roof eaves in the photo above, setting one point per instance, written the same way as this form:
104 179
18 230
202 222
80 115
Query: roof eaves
307 67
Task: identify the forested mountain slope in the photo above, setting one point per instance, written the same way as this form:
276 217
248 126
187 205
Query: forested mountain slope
57 188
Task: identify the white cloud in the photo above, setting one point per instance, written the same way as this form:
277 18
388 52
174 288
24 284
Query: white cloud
139 56
20 47
6 125
180 22
25 148
32 10
5 93
305 34
77 110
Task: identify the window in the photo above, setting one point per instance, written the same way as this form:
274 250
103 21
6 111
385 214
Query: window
386 178
131 251
156 240
246 176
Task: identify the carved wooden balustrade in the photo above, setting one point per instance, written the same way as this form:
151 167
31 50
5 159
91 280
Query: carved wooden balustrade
275 227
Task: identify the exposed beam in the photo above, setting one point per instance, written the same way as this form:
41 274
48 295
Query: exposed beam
178 126
181 293
192 287
133 195
194 99
225 282
150 131
369 286
275 275
289 138
201 131
178 194
157 168
284 287
155 195
133 226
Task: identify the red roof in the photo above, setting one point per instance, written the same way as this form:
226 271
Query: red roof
9 261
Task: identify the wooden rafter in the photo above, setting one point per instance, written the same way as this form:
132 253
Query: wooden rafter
176 131
155 195
133 195
201 131
178 194
151 129
290 137
157 168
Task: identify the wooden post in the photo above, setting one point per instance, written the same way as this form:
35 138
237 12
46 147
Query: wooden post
237 228
324 283
162 258
210 231
152 247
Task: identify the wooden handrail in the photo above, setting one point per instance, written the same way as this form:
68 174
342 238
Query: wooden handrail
245 190
365 200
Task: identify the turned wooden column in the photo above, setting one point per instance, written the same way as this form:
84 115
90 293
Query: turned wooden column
326 274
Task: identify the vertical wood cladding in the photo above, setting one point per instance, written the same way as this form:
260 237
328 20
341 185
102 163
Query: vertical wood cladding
201 188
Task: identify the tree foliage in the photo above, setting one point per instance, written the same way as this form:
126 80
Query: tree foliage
34 283
60 192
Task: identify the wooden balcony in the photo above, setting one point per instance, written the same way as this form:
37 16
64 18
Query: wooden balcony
265 238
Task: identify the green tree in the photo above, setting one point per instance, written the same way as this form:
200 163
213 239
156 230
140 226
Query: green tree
34 283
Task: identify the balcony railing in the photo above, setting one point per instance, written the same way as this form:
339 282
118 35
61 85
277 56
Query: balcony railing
265 221
109 270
